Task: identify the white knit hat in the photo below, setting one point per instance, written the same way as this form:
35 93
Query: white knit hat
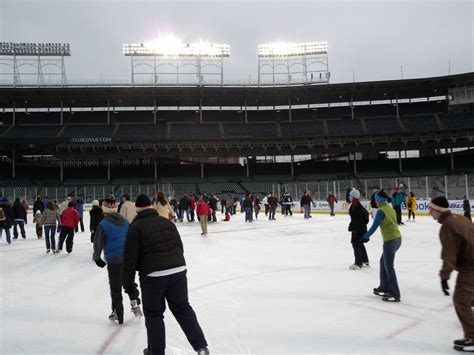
355 193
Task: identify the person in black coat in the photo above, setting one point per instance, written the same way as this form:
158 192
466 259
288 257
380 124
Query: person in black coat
97 215
183 206
358 227
466 206
7 223
19 218
153 247
38 205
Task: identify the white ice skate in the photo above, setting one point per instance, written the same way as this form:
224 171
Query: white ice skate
137 312
354 267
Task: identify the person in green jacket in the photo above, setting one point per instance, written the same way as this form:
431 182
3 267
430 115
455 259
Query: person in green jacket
386 218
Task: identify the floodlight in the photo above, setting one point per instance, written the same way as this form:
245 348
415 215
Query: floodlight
35 49
171 46
286 49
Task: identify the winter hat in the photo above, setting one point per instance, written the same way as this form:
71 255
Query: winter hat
142 202
38 212
381 196
355 193
109 205
95 203
439 204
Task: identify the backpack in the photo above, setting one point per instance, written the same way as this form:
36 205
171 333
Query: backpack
2 215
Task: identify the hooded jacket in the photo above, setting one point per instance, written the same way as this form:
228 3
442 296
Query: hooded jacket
128 210
457 241
110 237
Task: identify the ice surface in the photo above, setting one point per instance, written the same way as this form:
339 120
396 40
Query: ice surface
274 287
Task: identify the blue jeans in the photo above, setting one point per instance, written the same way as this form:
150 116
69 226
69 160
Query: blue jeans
49 232
174 289
307 211
22 229
248 214
7 233
388 278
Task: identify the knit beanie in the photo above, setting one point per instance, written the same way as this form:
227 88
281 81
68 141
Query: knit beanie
95 203
355 193
439 204
109 205
142 202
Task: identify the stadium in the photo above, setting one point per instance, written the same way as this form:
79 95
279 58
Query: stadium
253 201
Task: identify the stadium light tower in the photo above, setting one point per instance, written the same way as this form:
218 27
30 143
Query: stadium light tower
168 55
18 55
305 62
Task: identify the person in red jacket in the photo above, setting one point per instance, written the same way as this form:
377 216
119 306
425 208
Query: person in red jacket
69 220
192 206
331 200
203 211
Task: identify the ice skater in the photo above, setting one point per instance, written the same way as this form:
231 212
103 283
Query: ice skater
457 242
153 246
49 218
386 218
110 237
69 220
358 226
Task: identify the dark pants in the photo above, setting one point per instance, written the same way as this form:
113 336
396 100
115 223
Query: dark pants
463 300
181 214
82 226
22 229
331 206
388 278
271 214
191 212
115 283
468 216
267 209
173 288
214 218
248 214
7 233
398 211
411 213
49 232
360 254
307 211
66 232
257 211
288 210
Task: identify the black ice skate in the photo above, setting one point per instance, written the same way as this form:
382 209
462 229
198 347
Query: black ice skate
203 351
465 344
113 316
389 298
377 292
137 312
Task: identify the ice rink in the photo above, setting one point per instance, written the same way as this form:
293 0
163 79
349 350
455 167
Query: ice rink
280 287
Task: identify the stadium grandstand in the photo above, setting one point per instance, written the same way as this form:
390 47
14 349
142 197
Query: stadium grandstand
93 140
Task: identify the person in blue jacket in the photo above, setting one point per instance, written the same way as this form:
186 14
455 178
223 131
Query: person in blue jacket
79 206
110 236
398 197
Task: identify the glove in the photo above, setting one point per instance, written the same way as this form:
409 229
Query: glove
445 287
365 238
100 263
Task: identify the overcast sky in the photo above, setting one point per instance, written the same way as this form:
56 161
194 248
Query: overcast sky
373 38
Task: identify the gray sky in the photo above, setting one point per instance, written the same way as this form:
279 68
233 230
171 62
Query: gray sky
372 37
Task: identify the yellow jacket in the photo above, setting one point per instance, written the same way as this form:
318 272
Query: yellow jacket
413 203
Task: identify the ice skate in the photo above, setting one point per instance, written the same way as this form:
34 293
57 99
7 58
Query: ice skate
464 344
113 316
48 251
377 292
203 351
389 298
367 264
137 312
355 267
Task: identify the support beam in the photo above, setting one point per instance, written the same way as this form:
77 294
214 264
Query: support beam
355 162
108 170
247 166
452 159
446 186
467 186
202 170
292 165
13 163
156 169
61 171
400 167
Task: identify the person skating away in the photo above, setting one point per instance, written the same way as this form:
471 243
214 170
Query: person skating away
96 215
38 205
305 204
163 208
358 227
287 202
392 239
19 218
223 205
128 210
373 204
110 238
174 204
203 212
213 205
411 206
6 221
235 203
248 208
50 220
162 273
457 241
69 220
398 197
79 206
184 207
265 204
37 219
466 206
331 200
273 204
192 207
256 207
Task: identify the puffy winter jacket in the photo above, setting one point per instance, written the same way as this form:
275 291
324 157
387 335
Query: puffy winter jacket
38 206
359 219
203 209
49 217
7 209
69 218
152 244
19 212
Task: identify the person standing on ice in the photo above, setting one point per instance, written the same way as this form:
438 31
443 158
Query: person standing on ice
248 208
392 240
203 212
457 242
110 237
373 204
411 206
6 222
305 204
96 215
19 218
466 206
358 227
153 247
331 200
69 220
398 197
49 218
